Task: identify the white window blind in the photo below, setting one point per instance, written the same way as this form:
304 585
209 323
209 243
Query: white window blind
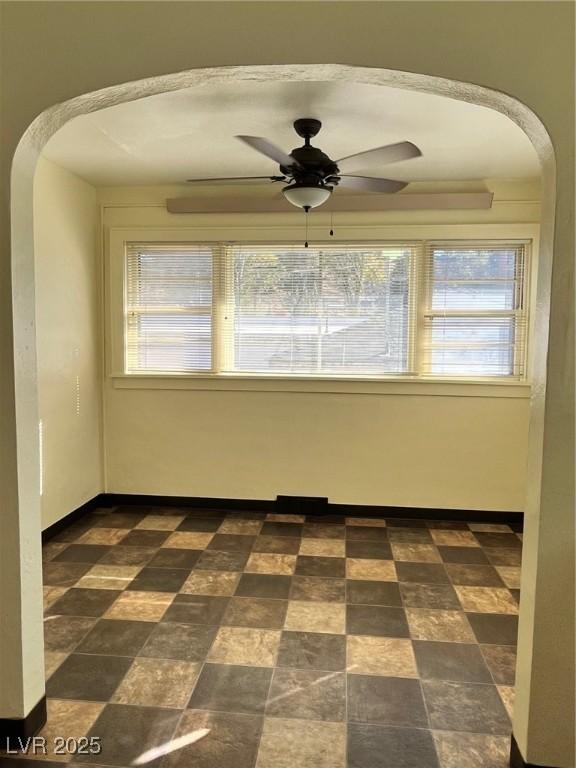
333 310
475 321
445 310
168 308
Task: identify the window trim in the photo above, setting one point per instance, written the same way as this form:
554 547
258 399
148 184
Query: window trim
115 287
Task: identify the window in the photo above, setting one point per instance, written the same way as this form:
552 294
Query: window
409 309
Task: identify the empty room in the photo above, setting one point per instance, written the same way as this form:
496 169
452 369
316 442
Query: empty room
288 474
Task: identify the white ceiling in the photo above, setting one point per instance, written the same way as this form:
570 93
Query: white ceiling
168 138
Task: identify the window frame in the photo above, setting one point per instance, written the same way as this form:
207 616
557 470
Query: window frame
116 239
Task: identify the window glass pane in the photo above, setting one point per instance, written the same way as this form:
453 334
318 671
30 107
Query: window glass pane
173 279
172 343
324 311
472 330
474 263
466 361
473 296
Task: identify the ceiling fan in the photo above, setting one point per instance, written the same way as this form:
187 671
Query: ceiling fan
311 175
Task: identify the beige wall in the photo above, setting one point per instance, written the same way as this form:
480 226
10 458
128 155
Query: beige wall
66 219
398 444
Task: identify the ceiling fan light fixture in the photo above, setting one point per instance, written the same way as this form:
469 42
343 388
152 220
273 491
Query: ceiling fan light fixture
307 196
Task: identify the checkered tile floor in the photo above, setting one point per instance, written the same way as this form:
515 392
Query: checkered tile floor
234 640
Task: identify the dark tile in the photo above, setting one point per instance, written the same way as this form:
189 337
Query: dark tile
383 621
494 628
379 746
440 596
451 661
516 595
175 558
468 707
126 519
474 575
228 542
214 514
128 556
145 538
63 574
84 602
373 592
258 612
82 553
187 642
63 633
307 695
278 545
128 732
282 529
323 531
463 555
373 550
399 522
263 585
159 580
498 540
501 660
111 637
312 650
366 533
231 741
212 560
87 678
72 532
326 519
227 688
422 573
196 609
388 700
503 556
323 590
333 567
246 514
200 524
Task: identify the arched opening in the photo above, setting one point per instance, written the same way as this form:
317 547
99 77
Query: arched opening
23 245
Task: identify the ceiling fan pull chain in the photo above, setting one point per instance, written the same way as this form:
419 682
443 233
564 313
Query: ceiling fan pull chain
306 209
331 223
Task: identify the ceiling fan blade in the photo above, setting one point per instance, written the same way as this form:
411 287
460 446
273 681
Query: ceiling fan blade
266 147
236 180
391 153
369 184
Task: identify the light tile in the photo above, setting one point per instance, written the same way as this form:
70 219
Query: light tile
109 577
490 527
108 536
472 750
507 693
158 683
188 540
366 521
241 527
274 518
240 645
416 553
454 538
298 743
160 522
510 575
486 600
264 562
391 657
370 570
51 594
447 626
307 616
52 660
323 547
68 719
140 606
211 583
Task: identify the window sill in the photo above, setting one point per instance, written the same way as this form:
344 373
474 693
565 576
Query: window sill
361 385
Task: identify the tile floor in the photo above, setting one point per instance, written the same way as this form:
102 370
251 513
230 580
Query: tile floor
233 640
